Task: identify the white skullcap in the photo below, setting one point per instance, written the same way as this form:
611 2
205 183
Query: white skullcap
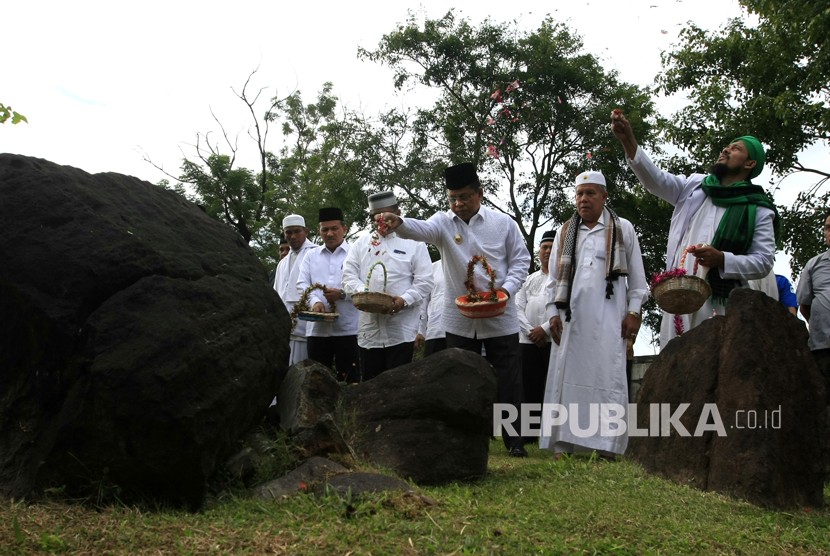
293 220
595 178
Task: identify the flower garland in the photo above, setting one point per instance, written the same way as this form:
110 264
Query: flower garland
302 303
369 276
473 295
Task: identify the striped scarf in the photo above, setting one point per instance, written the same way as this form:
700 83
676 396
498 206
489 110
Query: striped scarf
616 264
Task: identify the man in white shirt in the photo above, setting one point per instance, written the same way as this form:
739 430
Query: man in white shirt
534 326
387 341
334 344
285 281
596 287
466 230
431 330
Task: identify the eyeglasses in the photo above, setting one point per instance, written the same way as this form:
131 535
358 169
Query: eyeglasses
463 198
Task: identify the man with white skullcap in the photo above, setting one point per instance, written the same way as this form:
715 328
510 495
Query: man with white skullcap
596 288
285 282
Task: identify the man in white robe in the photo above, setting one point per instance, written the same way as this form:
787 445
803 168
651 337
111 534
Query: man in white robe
596 287
701 217
285 281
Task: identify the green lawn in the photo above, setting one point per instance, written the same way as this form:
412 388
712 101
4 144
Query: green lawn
523 506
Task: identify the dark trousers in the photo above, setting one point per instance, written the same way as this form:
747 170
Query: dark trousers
374 361
534 377
434 346
338 353
502 352
822 357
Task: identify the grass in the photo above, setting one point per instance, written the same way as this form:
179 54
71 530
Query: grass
524 506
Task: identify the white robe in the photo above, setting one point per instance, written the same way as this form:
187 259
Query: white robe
702 228
587 372
285 284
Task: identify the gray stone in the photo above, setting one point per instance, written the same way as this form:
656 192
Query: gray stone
305 477
140 338
358 483
307 401
430 420
753 365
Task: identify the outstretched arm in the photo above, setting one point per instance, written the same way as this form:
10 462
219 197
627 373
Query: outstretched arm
621 128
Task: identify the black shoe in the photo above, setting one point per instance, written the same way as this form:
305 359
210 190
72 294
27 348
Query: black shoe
517 452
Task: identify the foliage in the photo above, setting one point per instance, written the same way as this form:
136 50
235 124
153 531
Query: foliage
802 227
532 100
529 108
523 506
321 163
769 80
318 164
7 113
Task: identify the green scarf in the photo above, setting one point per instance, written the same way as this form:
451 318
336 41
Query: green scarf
736 228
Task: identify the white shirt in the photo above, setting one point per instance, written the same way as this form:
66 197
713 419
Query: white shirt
489 233
321 266
431 327
409 276
285 283
531 302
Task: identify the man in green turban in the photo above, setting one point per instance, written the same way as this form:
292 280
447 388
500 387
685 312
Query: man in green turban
728 224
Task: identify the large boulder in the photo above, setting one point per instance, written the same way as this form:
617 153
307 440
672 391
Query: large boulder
139 337
751 372
430 420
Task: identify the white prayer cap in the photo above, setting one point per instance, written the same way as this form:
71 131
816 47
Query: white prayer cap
595 178
293 220
382 200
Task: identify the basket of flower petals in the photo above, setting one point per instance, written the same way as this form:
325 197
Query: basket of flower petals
301 309
680 293
481 305
374 302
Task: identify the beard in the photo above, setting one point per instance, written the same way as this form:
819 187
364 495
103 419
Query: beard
719 170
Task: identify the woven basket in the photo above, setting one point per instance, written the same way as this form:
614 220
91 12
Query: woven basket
474 304
302 311
374 302
313 316
682 295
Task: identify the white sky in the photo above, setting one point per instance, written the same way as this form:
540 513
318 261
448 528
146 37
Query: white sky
103 82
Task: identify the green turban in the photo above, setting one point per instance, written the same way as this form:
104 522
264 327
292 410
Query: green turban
756 153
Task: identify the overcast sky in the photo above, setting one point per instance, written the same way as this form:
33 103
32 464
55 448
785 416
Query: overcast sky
103 83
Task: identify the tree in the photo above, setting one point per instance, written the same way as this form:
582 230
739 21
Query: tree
7 113
529 108
317 165
768 79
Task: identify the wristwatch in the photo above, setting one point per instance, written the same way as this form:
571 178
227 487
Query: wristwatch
342 294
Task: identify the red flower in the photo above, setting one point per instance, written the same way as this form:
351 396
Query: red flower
496 96
512 87
492 151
